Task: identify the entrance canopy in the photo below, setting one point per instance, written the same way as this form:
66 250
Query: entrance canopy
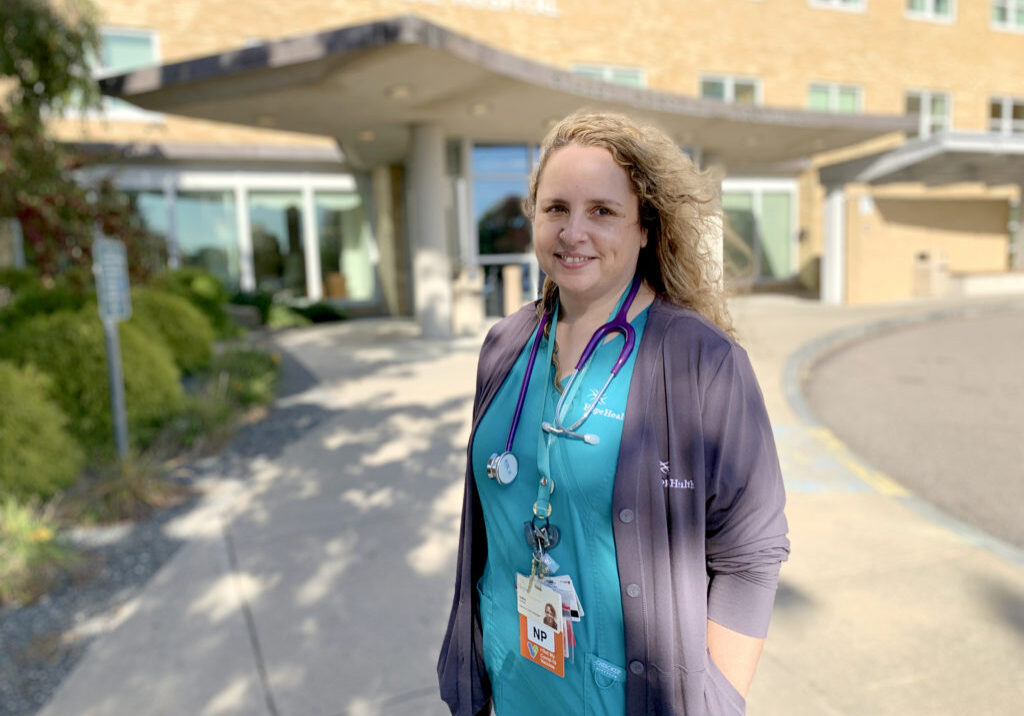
945 158
366 85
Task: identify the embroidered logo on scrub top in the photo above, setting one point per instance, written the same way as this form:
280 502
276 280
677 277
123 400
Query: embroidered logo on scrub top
603 412
667 481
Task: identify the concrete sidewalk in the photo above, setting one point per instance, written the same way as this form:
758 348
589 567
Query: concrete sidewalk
317 575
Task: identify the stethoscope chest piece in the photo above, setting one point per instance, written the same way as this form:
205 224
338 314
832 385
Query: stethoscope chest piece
503 467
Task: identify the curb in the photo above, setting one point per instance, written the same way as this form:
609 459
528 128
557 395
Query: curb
801 363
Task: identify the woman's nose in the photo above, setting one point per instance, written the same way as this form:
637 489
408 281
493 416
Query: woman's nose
574 229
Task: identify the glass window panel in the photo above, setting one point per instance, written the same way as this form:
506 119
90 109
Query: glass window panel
627 76
1000 15
943 8
746 93
939 105
817 98
501 160
122 52
915 5
501 225
279 258
594 73
151 206
739 234
776 234
995 108
1018 111
206 231
712 89
913 103
849 100
348 256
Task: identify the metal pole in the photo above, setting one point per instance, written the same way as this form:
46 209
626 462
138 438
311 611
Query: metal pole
116 377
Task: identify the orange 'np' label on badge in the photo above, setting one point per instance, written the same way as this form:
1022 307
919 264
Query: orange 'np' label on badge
542 645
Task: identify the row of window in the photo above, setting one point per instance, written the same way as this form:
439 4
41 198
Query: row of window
1006 114
1005 14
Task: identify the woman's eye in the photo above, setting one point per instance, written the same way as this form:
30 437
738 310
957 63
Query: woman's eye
555 209
602 211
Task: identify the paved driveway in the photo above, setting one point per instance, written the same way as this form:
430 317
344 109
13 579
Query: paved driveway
939 407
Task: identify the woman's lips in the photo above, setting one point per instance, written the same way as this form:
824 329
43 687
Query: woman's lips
572 261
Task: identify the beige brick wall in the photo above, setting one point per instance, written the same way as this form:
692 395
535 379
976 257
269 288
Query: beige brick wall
969 235
787 43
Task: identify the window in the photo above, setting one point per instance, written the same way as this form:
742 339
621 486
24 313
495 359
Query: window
935 10
833 97
932 109
761 234
348 256
1006 115
629 76
206 230
741 90
123 51
852 5
1008 14
278 242
500 176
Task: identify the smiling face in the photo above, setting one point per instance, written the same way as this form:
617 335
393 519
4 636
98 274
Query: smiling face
586 228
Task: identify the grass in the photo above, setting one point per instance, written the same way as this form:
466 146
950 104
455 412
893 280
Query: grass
32 559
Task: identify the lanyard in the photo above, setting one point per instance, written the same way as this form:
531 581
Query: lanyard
617 323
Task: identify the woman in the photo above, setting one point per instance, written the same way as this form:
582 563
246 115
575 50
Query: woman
636 477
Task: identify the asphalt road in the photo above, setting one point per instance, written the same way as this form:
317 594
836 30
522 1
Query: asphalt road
938 407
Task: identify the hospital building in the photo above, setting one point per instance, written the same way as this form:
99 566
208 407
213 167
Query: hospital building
373 153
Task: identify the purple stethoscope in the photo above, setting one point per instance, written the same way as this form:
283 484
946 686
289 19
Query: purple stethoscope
504 466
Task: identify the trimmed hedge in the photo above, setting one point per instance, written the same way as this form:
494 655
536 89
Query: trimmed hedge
69 347
204 291
181 325
38 456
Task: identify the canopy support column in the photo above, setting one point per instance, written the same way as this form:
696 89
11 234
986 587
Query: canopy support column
431 264
833 256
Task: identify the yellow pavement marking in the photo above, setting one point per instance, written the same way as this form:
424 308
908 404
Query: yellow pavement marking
879 481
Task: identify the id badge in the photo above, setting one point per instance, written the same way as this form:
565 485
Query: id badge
540 625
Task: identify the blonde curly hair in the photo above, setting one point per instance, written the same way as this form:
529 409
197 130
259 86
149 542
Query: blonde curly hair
679 206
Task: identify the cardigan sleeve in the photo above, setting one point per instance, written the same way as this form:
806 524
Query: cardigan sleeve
745 530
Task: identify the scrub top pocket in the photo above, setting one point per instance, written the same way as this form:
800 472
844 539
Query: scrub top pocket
604 688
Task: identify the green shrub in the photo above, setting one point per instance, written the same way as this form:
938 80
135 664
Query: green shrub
284 317
69 347
205 291
16 279
261 300
321 312
38 456
179 323
33 299
250 375
30 558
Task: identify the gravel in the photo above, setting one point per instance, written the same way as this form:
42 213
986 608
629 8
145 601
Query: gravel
42 642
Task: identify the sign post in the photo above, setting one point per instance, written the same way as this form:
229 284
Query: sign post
110 266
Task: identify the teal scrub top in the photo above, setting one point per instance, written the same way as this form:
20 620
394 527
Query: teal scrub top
584 475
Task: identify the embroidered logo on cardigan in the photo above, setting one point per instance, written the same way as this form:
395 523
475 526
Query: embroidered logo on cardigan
668 481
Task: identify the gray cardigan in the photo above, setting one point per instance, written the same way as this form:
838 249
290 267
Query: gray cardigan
697 512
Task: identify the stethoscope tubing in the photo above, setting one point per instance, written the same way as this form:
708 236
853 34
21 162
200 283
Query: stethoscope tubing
544 320
618 324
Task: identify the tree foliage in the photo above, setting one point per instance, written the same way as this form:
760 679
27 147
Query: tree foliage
45 57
